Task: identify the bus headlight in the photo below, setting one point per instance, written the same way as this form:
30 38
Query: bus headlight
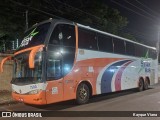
34 92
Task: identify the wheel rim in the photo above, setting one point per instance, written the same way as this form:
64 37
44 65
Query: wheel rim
83 93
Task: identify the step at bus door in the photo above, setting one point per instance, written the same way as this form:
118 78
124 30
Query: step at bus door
54 91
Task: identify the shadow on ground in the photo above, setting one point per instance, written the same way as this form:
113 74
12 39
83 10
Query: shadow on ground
94 99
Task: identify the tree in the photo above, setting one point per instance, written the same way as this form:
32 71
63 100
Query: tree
98 14
89 12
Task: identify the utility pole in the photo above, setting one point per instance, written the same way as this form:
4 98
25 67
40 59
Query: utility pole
26 19
157 47
158 42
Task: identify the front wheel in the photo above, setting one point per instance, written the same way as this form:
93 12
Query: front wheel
82 94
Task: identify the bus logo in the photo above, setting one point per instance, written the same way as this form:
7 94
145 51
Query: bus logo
28 38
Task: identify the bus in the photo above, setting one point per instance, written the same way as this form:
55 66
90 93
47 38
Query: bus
60 60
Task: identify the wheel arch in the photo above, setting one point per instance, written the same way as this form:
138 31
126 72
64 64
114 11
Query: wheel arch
88 83
140 87
140 78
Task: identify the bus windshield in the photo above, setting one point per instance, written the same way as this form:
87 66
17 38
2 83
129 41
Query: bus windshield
23 74
35 36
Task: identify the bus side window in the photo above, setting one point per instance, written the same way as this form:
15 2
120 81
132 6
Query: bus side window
152 54
69 38
119 46
141 51
105 43
130 48
87 39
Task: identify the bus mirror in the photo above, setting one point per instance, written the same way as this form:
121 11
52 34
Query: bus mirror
3 61
33 54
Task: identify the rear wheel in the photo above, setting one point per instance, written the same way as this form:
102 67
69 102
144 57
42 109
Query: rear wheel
140 85
146 84
82 95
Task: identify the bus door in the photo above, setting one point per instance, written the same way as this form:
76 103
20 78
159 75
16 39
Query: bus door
61 54
54 90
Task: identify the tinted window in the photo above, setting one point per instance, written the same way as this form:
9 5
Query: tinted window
68 59
119 46
63 34
138 50
105 43
141 51
152 54
60 61
87 39
54 65
130 48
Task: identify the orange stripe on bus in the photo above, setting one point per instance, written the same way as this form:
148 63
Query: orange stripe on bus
28 49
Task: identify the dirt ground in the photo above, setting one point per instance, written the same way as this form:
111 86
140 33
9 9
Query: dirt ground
6 97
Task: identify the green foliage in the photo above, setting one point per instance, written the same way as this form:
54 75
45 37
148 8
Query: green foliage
89 12
128 36
100 16
11 22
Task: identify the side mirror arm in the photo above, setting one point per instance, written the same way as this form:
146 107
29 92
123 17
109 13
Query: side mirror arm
3 61
33 54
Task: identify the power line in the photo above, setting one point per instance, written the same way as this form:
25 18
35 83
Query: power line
68 6
140 8
132 11
7 8
78 9
96 16
35 9
52 5
9 14
147 8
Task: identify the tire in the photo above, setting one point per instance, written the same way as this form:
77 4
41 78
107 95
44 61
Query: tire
82 94
140 85
146 84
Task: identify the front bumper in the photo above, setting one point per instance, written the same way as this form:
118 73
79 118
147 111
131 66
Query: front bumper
37 99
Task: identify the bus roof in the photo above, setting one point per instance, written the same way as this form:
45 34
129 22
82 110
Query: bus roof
109 34
93 29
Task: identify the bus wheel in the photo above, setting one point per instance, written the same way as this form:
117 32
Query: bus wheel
146 84
82 95
140 85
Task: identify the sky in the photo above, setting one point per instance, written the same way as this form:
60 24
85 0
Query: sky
143 17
